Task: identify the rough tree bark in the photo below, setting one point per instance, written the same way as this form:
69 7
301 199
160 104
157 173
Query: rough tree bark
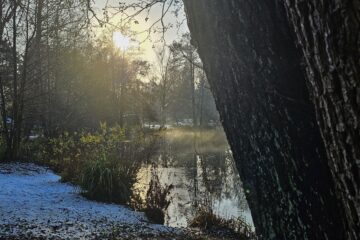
329 35
254 68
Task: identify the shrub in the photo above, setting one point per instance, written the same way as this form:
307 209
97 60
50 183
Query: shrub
108 181
157 200
103 163
206 219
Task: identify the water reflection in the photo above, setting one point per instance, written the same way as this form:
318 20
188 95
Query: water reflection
201 169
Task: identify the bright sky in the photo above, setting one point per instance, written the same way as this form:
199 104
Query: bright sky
122 42
146 47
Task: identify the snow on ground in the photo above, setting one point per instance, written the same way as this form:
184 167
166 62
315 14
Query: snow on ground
33 203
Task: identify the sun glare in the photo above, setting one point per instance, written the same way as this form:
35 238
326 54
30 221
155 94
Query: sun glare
121 41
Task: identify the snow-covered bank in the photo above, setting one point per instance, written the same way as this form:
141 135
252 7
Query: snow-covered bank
33 203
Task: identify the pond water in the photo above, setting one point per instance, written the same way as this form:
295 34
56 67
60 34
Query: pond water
200 168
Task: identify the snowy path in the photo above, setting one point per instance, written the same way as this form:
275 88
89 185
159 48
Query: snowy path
33 203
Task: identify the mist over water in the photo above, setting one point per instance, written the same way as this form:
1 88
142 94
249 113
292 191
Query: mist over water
200 167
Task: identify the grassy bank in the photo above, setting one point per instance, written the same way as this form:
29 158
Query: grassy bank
104 163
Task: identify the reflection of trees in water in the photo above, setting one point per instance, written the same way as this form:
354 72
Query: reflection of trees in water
218 178
202 174
164 153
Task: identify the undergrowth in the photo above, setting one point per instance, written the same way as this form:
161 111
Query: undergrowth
103 163
206 220
157 200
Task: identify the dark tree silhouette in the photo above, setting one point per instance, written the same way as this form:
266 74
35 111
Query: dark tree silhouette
328 33
295 137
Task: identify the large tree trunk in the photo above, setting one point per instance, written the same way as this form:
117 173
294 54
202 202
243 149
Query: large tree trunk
254 69
329 36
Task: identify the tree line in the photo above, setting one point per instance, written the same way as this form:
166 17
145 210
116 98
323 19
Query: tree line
61 71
